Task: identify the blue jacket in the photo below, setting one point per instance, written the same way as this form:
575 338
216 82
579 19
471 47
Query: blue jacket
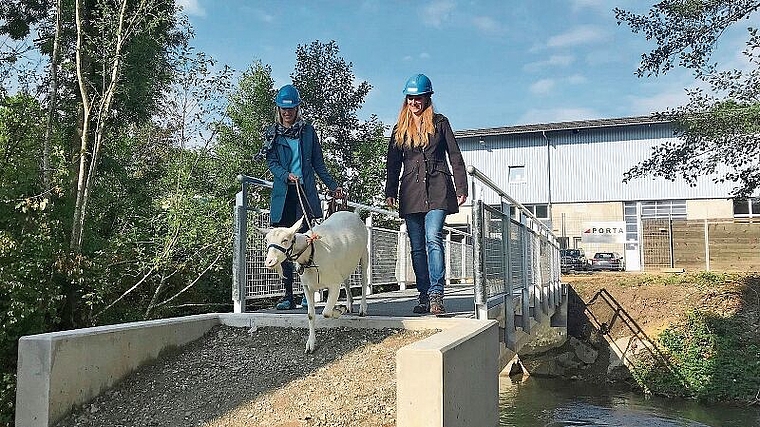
279 157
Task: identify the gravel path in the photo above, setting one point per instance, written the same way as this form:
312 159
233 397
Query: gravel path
241 377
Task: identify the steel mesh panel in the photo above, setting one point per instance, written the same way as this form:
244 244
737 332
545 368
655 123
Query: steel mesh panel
493 248
259 280
454 249
516 256
384 255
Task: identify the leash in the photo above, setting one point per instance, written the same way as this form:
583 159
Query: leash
301 199
335 204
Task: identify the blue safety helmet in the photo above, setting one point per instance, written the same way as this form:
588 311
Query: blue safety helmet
418 84
288 97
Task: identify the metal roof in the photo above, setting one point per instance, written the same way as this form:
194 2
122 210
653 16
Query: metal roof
545 127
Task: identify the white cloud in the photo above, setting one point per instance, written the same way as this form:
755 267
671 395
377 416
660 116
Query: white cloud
546 86
487 24
554 115
264 17
592 4
581 35
191 7
552 62
663 101
577 79
421 55
437 12
542 87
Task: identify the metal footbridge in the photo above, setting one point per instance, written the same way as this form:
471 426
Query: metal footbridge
505 266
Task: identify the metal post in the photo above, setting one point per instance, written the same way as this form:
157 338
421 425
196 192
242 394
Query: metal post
525 300
401 257
707 246
510 338
368 223
447 258
239 252
481 307
670 243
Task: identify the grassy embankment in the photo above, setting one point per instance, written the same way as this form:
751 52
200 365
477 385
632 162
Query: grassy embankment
705 328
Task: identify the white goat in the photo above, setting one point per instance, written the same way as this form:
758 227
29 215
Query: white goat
325 260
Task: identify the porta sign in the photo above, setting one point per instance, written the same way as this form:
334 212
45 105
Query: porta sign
604 232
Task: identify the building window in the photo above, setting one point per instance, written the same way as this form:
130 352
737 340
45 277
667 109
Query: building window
517 174
663 209
747 208
540 211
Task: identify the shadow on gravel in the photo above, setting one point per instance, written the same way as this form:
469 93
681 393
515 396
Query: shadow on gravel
219 372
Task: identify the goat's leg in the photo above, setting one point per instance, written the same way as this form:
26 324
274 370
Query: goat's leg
332 297
365 280
349 297
311 342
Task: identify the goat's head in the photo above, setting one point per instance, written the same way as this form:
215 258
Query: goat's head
280 241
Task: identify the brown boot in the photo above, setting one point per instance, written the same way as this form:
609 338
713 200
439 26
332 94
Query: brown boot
436 304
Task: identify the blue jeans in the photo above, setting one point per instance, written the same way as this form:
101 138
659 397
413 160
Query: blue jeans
428 261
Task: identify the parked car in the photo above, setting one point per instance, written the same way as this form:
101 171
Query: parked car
573 260
608 261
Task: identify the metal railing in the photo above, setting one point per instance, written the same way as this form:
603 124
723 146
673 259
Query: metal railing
517 262
390 257
511 258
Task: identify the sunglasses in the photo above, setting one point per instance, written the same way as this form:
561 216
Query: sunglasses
413 98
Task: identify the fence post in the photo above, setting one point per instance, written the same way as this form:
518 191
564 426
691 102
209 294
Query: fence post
239 252
481 306
510 338
525 300
401 252
670 243
368 223
707 246
447 258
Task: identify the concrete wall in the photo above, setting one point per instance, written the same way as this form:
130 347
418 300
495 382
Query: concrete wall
450 379
57 371
709 209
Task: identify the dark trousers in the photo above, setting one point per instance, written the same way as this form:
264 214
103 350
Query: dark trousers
290 214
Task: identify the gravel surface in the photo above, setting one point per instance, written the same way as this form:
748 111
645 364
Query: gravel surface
260 377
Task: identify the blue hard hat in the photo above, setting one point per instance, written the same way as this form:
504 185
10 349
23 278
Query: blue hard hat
288 97
418 84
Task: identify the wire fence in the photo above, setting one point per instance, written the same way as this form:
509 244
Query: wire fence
389 249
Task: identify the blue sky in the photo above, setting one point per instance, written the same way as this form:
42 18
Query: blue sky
492 63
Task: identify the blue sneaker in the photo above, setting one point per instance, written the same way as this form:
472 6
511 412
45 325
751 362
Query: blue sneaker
304 302
286 303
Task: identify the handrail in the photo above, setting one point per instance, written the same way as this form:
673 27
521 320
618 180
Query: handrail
245 179
473 171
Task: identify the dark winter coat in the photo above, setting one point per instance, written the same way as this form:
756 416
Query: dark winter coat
279 157
426 182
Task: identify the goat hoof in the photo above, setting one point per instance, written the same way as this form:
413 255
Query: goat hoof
362 314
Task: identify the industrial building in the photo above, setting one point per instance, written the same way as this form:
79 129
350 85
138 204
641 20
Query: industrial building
570 175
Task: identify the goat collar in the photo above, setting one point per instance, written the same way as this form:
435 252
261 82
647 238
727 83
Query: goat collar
297 255
291 254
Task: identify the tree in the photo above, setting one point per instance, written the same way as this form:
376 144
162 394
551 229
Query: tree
331 100
717 129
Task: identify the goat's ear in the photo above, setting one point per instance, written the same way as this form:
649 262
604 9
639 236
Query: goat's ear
262 231
296 226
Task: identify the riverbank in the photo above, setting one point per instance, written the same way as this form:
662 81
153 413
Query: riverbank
694 336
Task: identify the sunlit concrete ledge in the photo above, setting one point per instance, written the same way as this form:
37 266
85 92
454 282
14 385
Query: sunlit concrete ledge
450 377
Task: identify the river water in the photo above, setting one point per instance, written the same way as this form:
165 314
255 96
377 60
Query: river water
538 402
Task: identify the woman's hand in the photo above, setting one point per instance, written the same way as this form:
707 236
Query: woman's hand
338 193
292 177
461 199
391 202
